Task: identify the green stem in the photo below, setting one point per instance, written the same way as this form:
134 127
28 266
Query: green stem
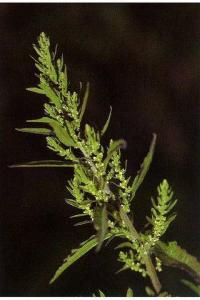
147 259
152 273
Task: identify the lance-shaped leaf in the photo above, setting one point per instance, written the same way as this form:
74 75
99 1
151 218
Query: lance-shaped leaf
44 164
101 224
144 168
43 131
85 100
44 89
75 255
83 223
105 127
61 133
195 288
51 95
173 255
36 90
72 202
115 145
125 245
128 224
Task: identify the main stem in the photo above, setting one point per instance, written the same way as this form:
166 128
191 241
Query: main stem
147 259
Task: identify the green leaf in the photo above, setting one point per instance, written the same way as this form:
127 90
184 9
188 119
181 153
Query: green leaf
128 224
125 245
85 100
149 291
101 294
113 147
101 224
195 288
43 164
77 253
61 133
105 127
144 167
83 223
36 90
77 216
51 95
129 292
173 255
72 202
43 131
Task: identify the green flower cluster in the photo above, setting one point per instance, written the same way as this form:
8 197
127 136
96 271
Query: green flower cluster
100 187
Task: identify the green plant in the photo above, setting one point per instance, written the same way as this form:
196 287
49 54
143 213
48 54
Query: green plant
100 189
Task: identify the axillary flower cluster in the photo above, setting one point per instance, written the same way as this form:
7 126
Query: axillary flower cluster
100 188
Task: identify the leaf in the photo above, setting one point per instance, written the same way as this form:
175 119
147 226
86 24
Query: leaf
36 90
128 224
85 100
83 223
77 216
149 291
61 133
78 253
195 288
72 202
41 120
43 164
51 95
101 224
105 127
129 292
173 255
125 245
113 147
43 131
144 167
101 294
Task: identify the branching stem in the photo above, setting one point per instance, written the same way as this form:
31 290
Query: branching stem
147 259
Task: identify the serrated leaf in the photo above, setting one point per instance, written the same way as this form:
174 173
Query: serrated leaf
44 164
129 292
77 254
144 168
105 127
61 133
173 255
43 131
85 100
195 288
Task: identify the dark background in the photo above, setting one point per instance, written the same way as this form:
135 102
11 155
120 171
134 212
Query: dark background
143 59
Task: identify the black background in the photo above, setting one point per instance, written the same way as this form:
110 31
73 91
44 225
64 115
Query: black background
143 59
